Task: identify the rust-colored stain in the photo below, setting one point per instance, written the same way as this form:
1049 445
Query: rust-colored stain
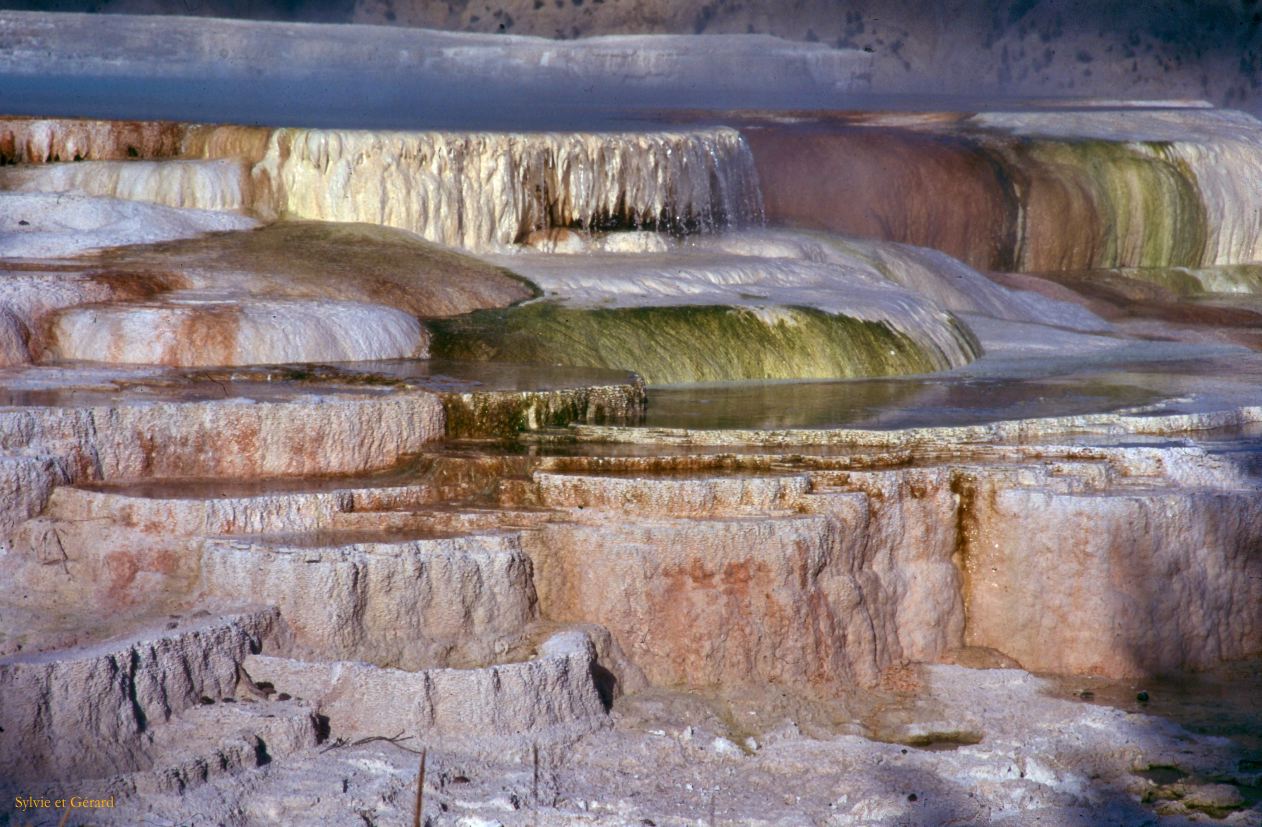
121 568
872 182
134 285
207 337
55 140
706 622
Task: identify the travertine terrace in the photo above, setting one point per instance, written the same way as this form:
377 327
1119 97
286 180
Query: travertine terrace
740 467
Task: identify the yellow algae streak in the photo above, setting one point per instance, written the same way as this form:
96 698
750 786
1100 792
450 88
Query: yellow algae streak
687 344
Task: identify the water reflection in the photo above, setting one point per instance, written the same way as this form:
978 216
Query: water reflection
888 403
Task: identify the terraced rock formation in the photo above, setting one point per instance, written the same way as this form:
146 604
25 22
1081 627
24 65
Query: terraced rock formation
490 604
629 509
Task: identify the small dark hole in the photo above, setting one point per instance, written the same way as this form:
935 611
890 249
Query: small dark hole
205 701
606 685
911 797
1163 775
284 696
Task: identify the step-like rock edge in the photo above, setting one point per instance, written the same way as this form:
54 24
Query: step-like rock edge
551 698
110 694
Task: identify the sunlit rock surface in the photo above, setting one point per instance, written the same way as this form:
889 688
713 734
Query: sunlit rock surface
257 551
204 185
42 225
192 330
702 567
476 190
116 691
288 293
314 260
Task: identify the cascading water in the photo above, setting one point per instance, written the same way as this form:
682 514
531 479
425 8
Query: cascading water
1141 189
706 343
472 189
482 190
845 308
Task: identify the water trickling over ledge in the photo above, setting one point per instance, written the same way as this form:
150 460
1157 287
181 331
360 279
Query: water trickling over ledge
477 190
700 343
1140 189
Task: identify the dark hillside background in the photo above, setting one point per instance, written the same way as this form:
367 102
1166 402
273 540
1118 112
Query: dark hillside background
1153 48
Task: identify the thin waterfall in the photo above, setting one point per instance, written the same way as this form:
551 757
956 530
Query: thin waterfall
487 190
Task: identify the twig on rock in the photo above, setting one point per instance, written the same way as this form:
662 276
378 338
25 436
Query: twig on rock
389 739
420 793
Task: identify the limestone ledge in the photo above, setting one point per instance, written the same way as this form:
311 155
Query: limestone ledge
551 697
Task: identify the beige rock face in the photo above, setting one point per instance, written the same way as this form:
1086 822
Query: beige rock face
28 482
241 437
474 190
248 593
813 574
329 261
1064 566
479 190
708 603
292 293
13 339
212 508
1120 583
405 605
722 598
191 331
288 294
552 696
